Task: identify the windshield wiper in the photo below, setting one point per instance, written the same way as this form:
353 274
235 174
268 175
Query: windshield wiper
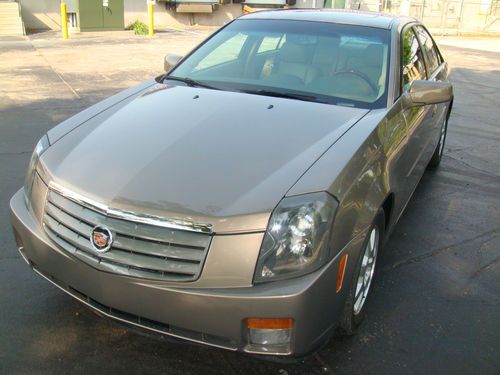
277 94
190 82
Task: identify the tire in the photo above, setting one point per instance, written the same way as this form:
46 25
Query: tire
354 309
438 152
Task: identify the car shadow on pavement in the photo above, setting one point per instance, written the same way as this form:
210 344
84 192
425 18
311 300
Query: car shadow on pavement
435 296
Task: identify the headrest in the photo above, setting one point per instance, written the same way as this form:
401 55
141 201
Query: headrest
293 52
327 51
374 55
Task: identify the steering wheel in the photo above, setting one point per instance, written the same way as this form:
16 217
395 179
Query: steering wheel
361 75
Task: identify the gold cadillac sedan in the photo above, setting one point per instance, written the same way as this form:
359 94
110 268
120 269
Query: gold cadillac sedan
240 199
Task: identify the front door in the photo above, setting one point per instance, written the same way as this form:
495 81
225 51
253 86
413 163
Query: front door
419 128
437 71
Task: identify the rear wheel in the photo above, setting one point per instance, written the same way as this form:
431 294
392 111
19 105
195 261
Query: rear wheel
354 309
438 153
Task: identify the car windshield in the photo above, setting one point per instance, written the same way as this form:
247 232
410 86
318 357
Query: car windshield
314 61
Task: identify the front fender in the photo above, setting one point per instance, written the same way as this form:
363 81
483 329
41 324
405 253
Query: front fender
354 170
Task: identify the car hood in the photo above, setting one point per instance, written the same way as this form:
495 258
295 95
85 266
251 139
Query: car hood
195 154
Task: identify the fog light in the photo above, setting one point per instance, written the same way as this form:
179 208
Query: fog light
269 335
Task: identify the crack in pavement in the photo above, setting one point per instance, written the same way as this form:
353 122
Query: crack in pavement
15 153
460 190
473 167
55 72
485 267
434 252
325 368
475 84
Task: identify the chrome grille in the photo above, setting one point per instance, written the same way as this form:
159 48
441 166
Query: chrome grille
138 249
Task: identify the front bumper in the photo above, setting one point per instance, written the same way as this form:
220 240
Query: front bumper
211 316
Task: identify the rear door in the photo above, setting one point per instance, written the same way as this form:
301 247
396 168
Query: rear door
437 71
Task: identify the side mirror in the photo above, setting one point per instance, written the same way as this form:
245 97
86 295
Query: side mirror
170 61
428 92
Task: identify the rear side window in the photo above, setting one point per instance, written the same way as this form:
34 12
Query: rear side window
433 59
413 66
271 43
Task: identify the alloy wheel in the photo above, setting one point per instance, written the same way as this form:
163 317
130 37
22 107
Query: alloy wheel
367 270
442 138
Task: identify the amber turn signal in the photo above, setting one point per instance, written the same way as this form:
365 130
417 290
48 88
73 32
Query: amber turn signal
340 275
269 323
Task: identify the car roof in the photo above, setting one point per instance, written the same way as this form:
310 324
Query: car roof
351 17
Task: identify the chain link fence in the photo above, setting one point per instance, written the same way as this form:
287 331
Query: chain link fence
442 16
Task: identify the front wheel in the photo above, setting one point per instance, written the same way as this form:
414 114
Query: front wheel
354 309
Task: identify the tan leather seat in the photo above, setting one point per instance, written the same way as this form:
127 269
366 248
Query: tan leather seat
326 55
292 65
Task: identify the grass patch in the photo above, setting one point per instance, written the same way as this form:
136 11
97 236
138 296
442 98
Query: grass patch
139 28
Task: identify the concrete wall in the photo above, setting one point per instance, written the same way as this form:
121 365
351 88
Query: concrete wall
44 14
137 10
309 4
460 15
41 14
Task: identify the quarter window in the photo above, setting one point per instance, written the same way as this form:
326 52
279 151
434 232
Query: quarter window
413 67
430 49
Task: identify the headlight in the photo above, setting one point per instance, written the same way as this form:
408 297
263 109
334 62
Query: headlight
297 237
42 145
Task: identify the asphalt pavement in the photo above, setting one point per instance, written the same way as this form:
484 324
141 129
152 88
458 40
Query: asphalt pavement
435 307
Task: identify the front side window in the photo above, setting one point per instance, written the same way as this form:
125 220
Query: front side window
430 49
413 66
225 52
316 61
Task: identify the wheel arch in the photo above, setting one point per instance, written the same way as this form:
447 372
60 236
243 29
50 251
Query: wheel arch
450 108
388 207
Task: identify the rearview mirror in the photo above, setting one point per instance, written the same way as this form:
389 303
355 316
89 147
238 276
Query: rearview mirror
170 61
428 92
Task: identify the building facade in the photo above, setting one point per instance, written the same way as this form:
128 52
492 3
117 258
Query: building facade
104 14
447 16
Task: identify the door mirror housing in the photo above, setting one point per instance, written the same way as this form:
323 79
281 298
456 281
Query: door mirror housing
171 61
428 92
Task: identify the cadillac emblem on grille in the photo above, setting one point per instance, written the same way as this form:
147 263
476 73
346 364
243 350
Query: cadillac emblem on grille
101 239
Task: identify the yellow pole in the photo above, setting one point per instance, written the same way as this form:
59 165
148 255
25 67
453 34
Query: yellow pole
151 19
64 21
247 9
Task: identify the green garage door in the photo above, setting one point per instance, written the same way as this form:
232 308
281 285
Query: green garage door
98 15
